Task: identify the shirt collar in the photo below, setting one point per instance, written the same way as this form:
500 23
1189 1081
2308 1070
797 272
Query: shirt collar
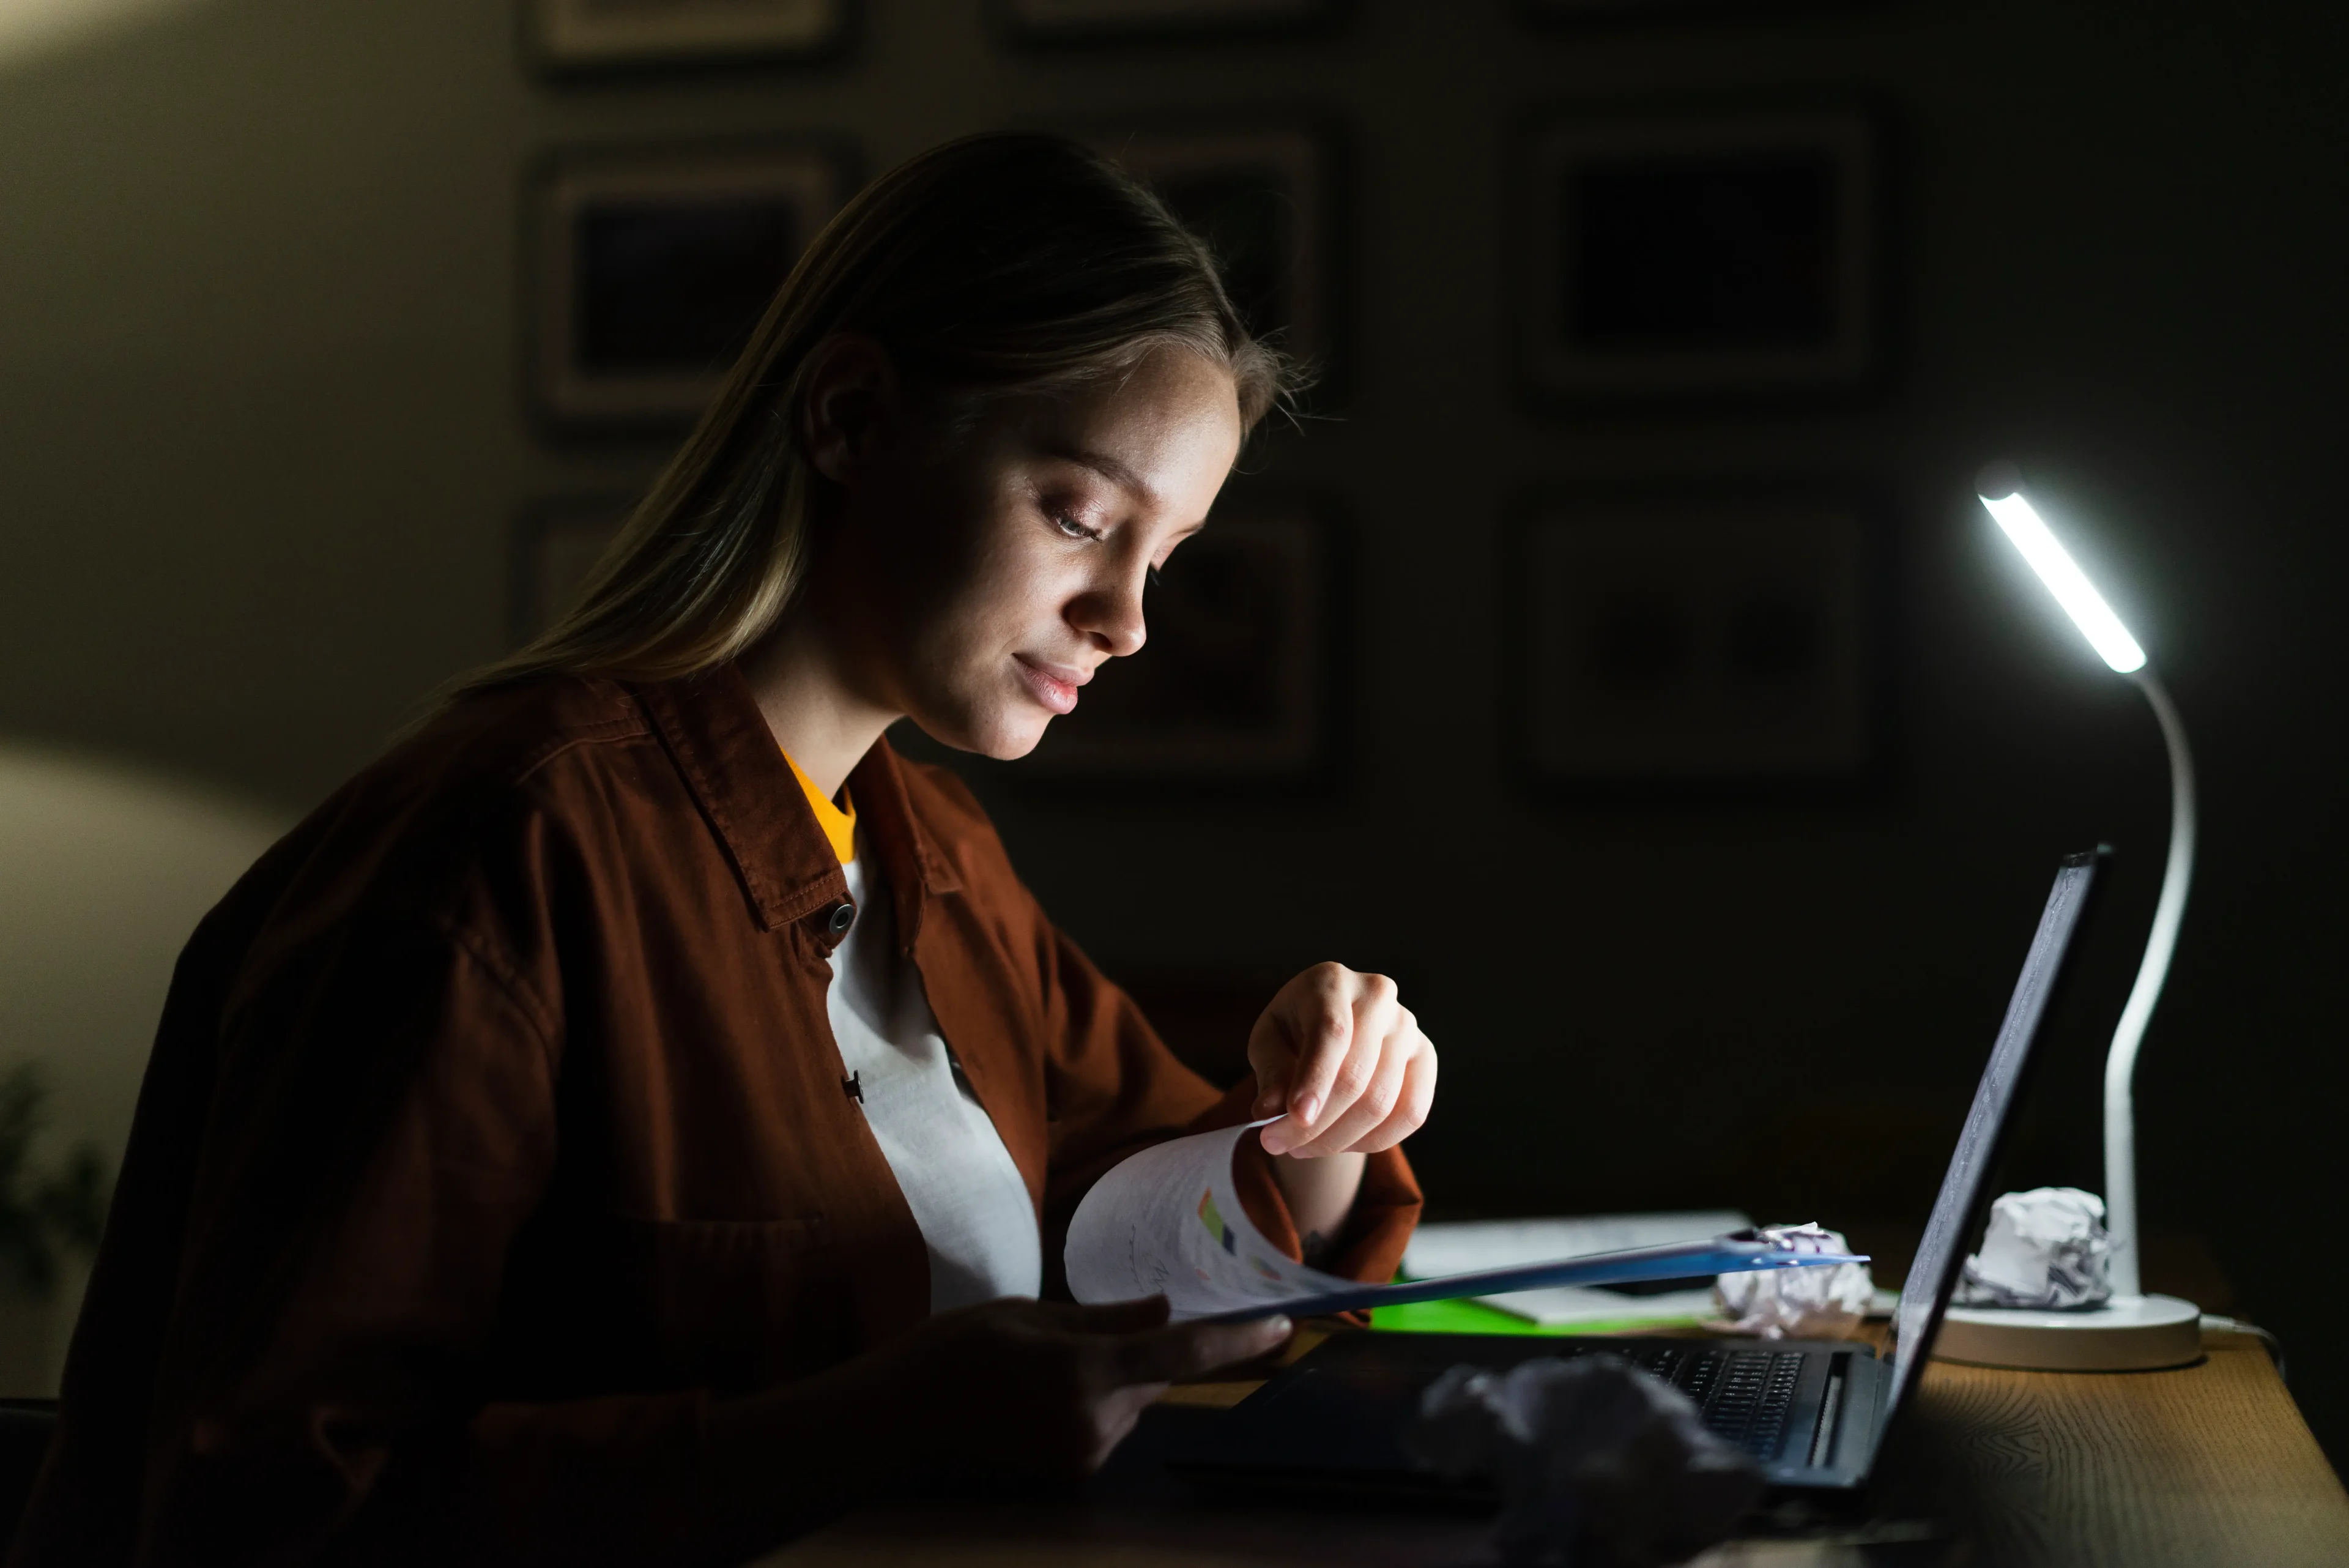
917 863
712 727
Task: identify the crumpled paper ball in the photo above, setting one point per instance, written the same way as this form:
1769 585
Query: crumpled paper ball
1600 1465
1798 1304
2046 1247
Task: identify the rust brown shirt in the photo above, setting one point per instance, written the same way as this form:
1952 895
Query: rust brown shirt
494 1130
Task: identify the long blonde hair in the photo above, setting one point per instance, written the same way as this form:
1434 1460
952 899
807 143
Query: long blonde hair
994 266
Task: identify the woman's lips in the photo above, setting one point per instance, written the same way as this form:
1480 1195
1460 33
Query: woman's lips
1053 685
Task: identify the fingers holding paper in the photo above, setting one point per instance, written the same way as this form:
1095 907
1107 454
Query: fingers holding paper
1026 1388
1343 1064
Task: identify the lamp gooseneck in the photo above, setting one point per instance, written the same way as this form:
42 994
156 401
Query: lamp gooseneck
2120 1062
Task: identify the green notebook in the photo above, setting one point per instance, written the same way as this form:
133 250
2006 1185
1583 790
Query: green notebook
1465 1316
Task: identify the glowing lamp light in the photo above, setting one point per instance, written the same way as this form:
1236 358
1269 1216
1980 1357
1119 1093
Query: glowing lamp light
2021 523
30 28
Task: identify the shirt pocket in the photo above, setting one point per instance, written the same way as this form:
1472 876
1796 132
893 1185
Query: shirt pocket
732 1305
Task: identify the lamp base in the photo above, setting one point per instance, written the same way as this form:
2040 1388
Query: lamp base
2128 1333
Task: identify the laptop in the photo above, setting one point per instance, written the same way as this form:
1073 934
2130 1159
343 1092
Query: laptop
1812 1414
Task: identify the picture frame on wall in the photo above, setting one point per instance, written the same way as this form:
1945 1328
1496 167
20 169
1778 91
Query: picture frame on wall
1236 686
1699 256
1265 197
1047 22
557 544
597 35
648 267
1714 644
1555 12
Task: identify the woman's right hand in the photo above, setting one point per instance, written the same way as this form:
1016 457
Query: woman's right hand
1010 1390
1047 1389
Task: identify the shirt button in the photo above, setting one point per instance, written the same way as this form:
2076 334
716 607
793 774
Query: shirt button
838 918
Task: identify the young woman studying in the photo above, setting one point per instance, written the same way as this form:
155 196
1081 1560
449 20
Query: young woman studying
639 1114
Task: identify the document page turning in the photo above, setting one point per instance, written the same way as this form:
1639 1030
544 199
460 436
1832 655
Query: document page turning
1168 1221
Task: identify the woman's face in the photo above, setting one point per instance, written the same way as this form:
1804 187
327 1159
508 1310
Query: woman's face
979 589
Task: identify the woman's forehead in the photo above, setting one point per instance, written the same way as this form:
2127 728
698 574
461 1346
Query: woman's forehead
1147 432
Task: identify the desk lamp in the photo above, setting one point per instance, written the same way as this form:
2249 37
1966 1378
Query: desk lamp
2133 1330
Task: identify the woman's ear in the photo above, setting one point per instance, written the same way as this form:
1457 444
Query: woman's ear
851 387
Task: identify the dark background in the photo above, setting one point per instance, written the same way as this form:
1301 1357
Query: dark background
261 446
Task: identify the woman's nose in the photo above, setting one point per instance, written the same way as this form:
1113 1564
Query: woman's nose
1110 614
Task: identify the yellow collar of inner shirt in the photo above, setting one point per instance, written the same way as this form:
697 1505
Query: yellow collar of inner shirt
839 821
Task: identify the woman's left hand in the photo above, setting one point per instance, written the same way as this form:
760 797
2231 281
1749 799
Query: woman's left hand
1344 1058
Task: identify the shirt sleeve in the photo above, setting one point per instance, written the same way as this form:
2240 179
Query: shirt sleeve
379 1122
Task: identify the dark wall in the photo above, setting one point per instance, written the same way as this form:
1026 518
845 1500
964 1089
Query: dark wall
261 445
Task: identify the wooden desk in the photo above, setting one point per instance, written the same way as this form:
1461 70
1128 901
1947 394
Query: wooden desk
2206 1465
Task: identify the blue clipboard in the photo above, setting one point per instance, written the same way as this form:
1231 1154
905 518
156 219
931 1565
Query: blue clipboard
1679 1261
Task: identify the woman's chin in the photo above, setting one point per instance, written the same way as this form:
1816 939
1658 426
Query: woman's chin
1003 738
1013 742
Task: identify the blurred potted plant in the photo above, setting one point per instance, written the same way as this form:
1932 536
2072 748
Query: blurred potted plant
51 1213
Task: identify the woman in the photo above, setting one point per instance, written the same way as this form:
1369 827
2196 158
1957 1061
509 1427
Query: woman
640 1114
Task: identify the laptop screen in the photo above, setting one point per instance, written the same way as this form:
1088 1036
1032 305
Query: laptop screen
1933 1274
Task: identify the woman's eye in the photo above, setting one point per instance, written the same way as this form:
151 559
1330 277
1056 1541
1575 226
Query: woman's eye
1074 529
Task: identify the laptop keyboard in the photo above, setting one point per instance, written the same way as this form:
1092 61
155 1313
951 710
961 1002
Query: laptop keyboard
1350 1405
1745 1395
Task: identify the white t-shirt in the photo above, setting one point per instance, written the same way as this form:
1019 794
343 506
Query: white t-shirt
965 1194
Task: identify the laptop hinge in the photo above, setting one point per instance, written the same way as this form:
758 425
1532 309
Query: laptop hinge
1823 1437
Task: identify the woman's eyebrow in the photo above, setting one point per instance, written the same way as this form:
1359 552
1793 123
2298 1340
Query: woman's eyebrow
1110 468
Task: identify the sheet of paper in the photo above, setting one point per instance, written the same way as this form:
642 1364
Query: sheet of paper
1460 1247
1464 1247
1168 1221
1562 1305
